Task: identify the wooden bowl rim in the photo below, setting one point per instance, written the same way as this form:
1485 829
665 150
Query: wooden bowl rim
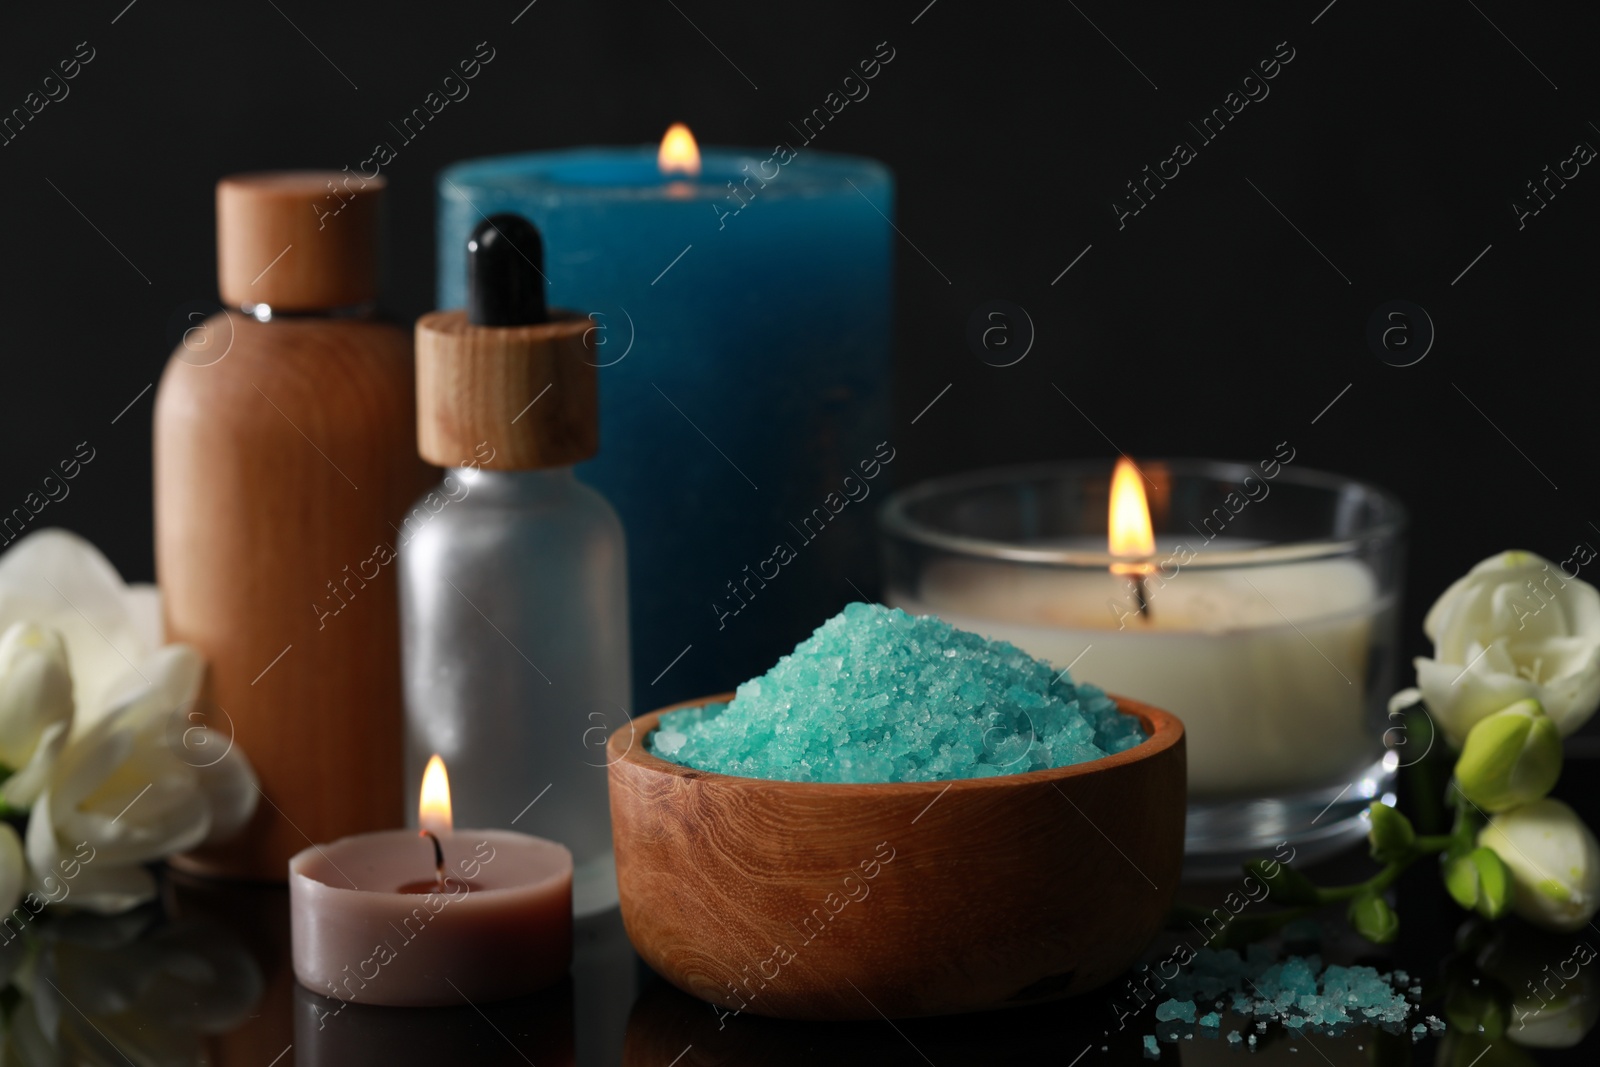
1165 730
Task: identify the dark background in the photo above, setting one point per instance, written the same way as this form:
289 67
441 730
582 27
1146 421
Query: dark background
1395 141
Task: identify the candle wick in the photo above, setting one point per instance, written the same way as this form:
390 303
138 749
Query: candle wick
1142 595
438 855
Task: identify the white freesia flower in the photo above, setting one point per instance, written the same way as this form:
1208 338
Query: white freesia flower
1554 862
1514 627
134 780
123 792
35 708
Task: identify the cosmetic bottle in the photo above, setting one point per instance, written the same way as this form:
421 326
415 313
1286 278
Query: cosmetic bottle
285 453
512 572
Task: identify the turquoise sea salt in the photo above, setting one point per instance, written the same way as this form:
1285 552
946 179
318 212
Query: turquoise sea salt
1298 991
877 695
1211 1020
1150 1047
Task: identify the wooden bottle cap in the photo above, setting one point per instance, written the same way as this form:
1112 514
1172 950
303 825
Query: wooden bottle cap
529 393
298 240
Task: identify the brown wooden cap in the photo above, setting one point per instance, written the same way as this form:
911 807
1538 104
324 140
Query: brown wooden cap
303 240
529 393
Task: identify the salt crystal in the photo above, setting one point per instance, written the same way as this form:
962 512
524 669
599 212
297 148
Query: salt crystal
1297 991
877 695
1151 1049
1169 1010
667 742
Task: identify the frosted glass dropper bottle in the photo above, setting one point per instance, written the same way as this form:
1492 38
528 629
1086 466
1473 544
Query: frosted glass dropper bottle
513 590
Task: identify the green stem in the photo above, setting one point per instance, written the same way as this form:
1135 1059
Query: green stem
1427 845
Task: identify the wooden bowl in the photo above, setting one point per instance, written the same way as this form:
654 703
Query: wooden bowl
815 900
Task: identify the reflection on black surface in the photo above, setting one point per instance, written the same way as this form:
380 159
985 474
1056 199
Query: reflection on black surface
1534 989
536 1029
210 982
606 976
666 1024
128 988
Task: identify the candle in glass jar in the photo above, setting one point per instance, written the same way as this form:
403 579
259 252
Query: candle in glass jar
1264 664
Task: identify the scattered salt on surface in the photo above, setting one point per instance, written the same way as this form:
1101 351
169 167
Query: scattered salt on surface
1297 991
1168 1010
877 695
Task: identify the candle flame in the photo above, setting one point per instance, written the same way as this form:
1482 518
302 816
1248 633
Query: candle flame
679 154
433 807
1129 530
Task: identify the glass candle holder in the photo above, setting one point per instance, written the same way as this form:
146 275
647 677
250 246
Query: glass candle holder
1266 619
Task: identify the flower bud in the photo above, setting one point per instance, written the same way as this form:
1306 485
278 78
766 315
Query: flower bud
1511 758
1479 881
1374 919
1391 836
1554 862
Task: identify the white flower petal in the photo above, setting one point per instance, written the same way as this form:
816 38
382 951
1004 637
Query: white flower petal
144 609
35 689
61 580
1457 699
24 787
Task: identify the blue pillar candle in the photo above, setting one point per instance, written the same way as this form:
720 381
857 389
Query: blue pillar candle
742 328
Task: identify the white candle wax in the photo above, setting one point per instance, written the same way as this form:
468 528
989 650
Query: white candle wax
1266 666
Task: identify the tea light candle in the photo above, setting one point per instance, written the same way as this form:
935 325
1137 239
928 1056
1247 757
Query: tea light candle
441 917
